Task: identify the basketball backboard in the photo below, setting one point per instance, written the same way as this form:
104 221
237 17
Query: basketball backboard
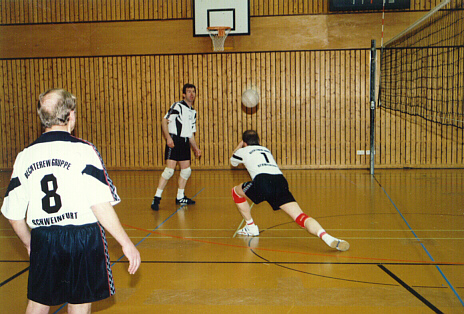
232 13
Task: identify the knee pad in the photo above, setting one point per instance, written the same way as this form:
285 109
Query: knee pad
167 173
301 219
237 198
185 173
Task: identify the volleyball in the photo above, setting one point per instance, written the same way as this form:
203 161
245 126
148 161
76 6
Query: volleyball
250 98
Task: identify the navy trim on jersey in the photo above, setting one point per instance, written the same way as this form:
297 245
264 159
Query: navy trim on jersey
14 183
93 171
237 157
56 136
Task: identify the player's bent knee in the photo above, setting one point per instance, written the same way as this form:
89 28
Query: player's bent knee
301 219
185 173
237 198
167 173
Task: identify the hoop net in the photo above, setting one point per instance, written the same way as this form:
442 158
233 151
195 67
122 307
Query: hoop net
218 35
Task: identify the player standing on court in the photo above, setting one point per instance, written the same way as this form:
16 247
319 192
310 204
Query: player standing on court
60 181
269 184
179 127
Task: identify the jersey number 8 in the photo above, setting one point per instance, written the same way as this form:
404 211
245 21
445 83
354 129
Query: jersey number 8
48 205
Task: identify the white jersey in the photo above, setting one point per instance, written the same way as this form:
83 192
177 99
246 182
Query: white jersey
257 159
56 180
182 119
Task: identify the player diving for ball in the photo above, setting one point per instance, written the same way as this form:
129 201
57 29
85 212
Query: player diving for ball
269 184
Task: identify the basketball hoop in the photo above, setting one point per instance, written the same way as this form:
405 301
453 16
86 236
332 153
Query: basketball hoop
218 35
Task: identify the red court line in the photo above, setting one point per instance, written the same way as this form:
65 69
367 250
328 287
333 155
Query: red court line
293 252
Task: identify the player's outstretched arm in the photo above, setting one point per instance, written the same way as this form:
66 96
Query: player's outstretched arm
22 231
107 216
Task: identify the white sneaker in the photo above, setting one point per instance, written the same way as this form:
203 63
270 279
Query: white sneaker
252 230
340 245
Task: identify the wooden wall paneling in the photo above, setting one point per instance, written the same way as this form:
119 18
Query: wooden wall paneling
278 105
7 112
285 124
325 106
27 98
136 145
119 111
91 103
213 129
292 122
162 102
311 69
300 107
363 75
333 119
341 103
229 108
269 101
353 92
110 104
143 109
156 114
306 103
360 92
202 120
317 138
21 104
224 107
105 105
3 112
237 107
336 105
139 145
259 74
240 126
30 99
212 111
17 106
150 109
98 109
297 110
80 78
263 104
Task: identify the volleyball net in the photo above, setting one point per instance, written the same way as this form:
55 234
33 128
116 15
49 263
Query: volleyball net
422 68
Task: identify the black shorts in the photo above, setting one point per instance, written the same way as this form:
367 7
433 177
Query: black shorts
272 188
69 264
180 151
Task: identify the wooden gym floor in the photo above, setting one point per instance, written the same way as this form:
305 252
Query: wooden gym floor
405 227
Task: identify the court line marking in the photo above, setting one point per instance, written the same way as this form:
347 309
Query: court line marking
411 290
335 254
423 246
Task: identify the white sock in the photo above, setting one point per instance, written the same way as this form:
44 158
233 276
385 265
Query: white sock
327 238
250 222
180 193
158 193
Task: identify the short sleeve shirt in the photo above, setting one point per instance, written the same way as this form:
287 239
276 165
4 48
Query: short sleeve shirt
182 119
257 160
56 180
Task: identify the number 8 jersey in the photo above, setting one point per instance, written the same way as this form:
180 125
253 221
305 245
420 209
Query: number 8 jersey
257 159
56 180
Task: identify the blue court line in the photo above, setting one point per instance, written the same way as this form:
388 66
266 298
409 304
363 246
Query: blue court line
423 246
146 237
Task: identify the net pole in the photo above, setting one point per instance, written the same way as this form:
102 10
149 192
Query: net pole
372 104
